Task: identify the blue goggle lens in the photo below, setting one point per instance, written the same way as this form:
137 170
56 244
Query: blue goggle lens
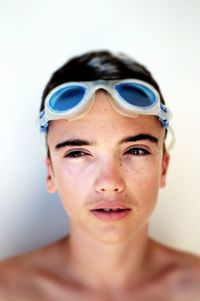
136 94
66 98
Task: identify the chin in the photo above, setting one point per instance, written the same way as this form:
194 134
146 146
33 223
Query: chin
112 235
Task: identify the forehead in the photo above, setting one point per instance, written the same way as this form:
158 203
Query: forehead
103 121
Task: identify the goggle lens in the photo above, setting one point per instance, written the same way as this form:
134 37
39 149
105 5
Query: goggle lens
136 95
66 98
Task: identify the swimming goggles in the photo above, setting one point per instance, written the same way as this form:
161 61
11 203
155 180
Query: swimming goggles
129 97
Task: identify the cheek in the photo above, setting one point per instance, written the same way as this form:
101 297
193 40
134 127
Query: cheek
144 179
73 181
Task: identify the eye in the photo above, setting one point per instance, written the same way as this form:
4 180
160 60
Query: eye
138 151
75 154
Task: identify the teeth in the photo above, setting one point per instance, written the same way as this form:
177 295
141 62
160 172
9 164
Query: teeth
109 210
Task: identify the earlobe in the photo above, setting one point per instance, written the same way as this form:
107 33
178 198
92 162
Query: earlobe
50 181
164 168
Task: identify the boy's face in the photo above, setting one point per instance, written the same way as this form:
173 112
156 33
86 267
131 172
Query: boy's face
108 171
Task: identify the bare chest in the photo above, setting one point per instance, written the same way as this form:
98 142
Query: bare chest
177 286
44 290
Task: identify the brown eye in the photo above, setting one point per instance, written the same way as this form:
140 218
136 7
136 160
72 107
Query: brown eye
138 151
75 154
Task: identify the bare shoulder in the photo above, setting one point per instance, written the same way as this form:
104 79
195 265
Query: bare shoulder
183 259
182 278
188 266
185 281
42 257
24 272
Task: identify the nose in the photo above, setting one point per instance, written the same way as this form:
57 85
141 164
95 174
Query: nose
109 178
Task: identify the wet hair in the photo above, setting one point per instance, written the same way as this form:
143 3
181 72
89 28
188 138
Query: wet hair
95 65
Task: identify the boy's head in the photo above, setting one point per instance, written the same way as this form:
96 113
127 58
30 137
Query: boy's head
107 167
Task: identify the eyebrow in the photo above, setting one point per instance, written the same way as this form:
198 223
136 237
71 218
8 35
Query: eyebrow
74 142
140 137
81 142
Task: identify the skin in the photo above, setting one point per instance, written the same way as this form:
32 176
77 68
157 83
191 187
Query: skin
104 260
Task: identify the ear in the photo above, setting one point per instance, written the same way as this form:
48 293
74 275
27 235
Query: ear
164 168
50 181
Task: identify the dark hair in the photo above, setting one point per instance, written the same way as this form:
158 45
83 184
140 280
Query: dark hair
99 65
96 65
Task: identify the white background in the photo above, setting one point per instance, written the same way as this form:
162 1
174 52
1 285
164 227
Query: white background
37 37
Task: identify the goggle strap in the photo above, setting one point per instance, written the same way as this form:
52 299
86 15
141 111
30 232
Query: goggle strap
164 115
43 122
165 123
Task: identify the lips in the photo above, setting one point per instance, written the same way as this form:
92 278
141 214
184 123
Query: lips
110 211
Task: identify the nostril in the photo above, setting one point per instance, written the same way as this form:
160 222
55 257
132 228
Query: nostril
112 183
114 189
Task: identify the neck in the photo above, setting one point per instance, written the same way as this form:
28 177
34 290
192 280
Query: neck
109 265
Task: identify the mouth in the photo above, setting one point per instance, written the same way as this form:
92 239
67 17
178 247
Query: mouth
110 213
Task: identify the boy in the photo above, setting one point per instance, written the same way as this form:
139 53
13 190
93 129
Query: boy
105 123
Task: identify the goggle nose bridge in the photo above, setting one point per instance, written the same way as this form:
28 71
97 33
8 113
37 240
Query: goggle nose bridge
101 86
